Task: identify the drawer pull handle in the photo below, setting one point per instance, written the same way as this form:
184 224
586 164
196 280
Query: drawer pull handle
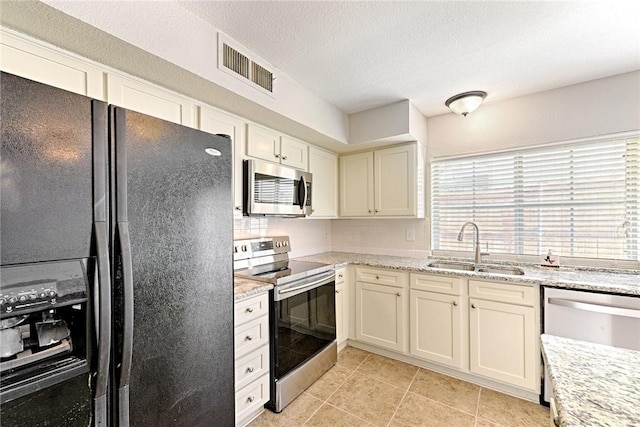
249 310
398 294
340 276
284 157
473 306
250 399
250 369
338 291
377 277
248 338
455 304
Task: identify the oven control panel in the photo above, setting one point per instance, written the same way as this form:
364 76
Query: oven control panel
263 246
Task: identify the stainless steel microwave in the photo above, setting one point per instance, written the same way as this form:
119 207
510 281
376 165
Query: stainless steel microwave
274 190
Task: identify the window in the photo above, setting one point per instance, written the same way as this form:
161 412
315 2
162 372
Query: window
580 200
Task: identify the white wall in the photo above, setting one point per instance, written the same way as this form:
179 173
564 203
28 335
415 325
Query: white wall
593 108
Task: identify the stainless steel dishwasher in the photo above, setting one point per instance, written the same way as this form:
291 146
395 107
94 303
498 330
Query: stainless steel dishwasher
589 316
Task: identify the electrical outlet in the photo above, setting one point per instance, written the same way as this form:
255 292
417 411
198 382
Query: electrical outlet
410 234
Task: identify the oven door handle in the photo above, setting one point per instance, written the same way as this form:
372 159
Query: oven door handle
308 286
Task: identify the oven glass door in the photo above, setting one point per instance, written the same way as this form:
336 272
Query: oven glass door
305 323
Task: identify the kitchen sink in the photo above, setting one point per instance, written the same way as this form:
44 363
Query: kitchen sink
493 269
514 271
452 266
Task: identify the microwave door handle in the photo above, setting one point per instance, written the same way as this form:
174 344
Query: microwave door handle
303 199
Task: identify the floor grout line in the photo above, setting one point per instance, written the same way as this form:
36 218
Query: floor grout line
478 406
403 397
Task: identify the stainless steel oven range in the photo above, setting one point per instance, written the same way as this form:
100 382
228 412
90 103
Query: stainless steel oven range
302 316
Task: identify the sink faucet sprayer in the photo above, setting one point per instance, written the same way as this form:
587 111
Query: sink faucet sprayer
478 253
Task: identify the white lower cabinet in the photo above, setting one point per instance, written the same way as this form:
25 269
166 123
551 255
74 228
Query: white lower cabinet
480 328
342 315
503 332
436 327
251 357
502 342
382 309
436 319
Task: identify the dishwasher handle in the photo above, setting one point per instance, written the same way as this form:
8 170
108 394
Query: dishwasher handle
597 308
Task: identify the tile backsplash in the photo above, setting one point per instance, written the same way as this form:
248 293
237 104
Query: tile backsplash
311 236
400 237
308 236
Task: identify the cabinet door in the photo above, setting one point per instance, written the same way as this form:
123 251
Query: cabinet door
324 197
436 327
263 143
380 315
37 63
150 100
502 342
395 181
356 185
294 153
341 316
215 122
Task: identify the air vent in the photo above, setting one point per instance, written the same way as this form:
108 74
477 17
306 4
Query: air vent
261 76
235 61
232 61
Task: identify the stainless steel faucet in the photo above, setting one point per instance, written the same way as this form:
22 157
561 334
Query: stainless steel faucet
478 253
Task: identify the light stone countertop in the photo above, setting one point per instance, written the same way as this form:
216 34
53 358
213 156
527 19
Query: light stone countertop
593 384
592 279
245 288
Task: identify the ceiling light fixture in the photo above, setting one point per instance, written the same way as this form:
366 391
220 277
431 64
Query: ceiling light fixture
466 102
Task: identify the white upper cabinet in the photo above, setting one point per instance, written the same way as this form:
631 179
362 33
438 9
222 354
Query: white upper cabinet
356 184
395 181
268 144
294 153
382 183
217 122
38 63
148 99
324 196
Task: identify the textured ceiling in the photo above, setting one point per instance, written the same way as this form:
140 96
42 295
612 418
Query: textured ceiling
359 55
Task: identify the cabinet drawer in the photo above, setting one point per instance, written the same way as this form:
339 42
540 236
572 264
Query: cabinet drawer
252 366
382 277
441 284
251 308
504 292
251 335
252 397
340 275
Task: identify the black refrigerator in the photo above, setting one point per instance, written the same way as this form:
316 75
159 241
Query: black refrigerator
117 281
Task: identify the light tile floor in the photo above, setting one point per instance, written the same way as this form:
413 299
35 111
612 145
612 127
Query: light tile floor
365 389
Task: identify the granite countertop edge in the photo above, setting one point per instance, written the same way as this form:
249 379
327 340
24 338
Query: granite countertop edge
245 288
593 384
599 280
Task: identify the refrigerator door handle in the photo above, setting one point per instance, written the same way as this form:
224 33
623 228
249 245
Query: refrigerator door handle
127 341
104 324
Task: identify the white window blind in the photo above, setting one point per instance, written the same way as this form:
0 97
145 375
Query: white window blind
580 200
